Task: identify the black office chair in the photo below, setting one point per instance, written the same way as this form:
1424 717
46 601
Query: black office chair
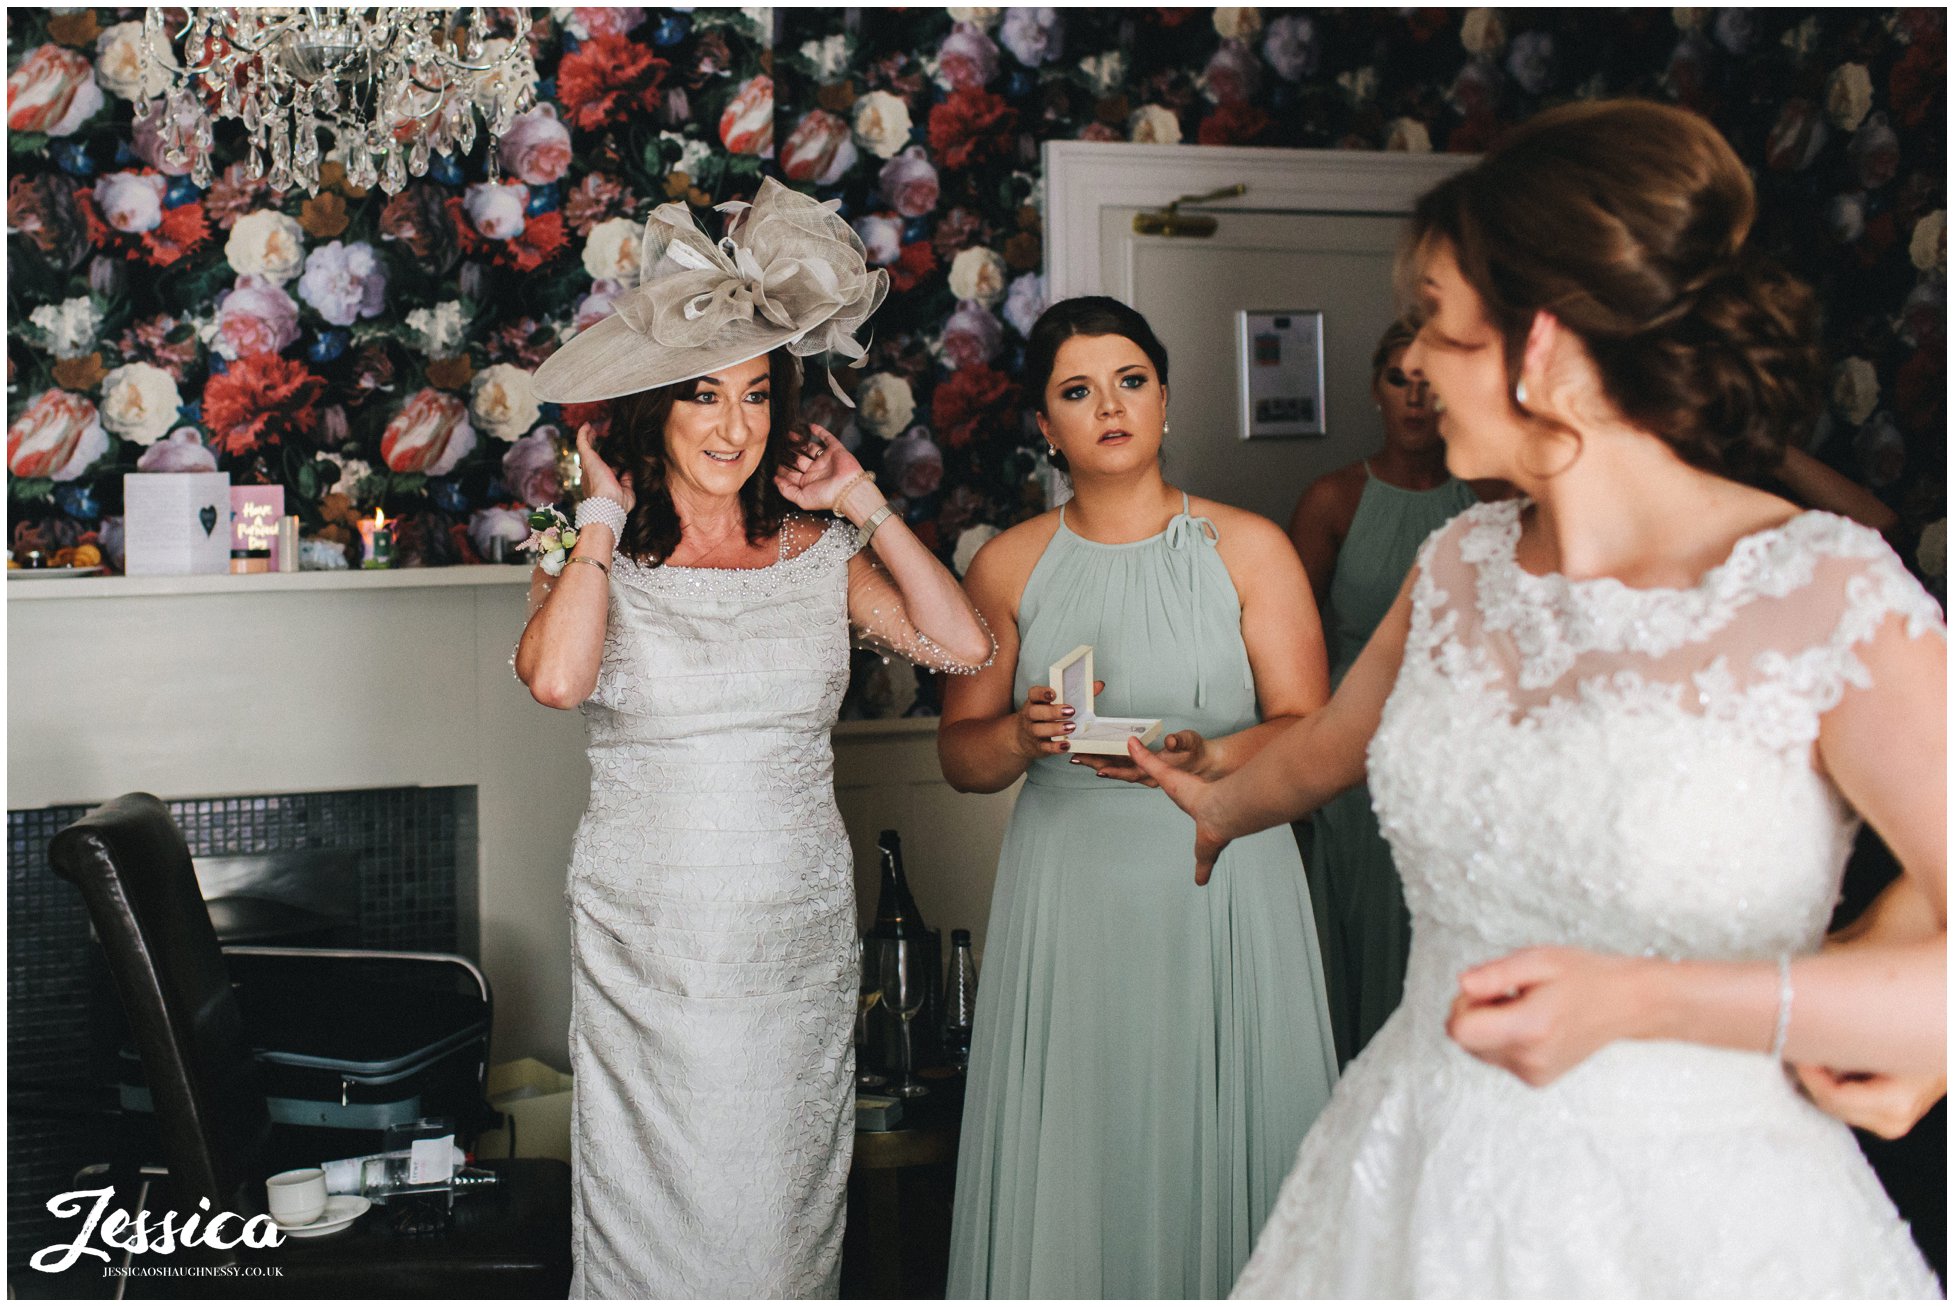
208 1092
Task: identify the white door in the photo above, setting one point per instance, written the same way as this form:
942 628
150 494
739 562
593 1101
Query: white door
1316 232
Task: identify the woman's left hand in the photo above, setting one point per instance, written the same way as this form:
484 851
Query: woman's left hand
1183 750
812 479
1541 1012
1889 1106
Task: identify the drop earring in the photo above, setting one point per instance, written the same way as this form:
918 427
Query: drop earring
1166 428
1051 450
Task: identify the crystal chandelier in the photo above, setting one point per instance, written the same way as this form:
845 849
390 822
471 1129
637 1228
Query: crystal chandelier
392 87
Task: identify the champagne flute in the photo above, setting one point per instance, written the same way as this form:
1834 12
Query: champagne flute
904 984
868 992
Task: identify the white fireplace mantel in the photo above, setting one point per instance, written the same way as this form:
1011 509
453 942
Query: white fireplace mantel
213 686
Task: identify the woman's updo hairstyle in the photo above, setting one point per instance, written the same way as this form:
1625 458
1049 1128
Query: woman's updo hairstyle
635 445
1396 339
1626 220
1083 315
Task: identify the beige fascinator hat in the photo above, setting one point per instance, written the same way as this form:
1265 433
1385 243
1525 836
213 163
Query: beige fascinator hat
789 272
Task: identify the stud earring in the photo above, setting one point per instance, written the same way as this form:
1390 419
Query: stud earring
1051 451
1520 393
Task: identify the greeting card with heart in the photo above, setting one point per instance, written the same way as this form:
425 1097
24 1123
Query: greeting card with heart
176 522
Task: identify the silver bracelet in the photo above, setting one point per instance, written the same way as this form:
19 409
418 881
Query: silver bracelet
873 522
1784 1008
603 512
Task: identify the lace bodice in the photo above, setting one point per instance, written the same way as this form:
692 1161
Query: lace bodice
1631 770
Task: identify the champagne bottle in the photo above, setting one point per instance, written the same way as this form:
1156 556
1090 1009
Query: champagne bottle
960 1000
898 917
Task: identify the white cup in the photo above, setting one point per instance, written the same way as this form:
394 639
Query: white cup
296 1197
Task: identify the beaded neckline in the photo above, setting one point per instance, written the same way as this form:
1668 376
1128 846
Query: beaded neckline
837 540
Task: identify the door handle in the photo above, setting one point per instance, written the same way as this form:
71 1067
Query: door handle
1170 221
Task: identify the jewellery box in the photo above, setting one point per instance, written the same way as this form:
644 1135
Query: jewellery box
1072 678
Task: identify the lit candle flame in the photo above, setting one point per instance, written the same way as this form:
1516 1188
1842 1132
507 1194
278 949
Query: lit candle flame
379 519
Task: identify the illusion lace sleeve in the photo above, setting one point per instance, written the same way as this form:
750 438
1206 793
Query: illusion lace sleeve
881 621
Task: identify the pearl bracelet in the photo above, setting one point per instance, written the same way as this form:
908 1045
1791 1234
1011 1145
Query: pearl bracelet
602 511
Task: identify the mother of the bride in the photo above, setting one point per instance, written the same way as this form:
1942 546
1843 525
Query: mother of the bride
703 628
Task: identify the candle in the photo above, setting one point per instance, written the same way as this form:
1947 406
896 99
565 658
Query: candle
378 539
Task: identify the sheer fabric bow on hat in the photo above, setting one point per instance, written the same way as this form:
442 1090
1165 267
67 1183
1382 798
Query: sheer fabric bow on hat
789 273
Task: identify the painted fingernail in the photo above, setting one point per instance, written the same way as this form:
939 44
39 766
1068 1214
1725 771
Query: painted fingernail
1069 710
1064 746
1071 727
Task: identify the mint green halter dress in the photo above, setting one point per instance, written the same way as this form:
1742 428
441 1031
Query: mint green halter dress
1147 1054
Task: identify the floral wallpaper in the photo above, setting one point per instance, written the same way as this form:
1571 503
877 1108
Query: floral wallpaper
372 351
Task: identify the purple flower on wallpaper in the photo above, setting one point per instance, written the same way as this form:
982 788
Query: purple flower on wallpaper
509 525
968 58
882 235
1874 152
908 183
587 23
258 317
971 336
1035 36
180 451
344 283
146 138
1291 47
498 212
1735 29
536 147
529 469
1531 61
1232 75
912 464
1024 301
597 305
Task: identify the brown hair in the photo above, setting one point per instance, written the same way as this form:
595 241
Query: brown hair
1397 336
1626 220
635 444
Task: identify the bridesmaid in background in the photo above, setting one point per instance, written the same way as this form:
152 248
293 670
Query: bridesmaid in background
1147 1056
1358 529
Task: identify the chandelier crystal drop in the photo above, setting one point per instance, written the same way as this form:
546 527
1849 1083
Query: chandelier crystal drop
389 87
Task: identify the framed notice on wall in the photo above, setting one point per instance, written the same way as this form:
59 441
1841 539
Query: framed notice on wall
1281 353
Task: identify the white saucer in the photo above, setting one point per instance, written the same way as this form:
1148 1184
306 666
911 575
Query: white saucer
48 573
341 1211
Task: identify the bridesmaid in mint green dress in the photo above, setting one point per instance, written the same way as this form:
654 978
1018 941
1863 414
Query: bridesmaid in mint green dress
1358 530
1148 1053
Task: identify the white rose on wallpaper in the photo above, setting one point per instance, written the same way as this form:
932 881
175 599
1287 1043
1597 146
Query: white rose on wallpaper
69 326
882 236
440 328
692 153
266 244
344 282
1237 24
882 123
611 253
969 541
596 306
985 18
1291 47
1024 302
1409 136
536 148
828 57
1531 61
1846 217
1848 96
1928 248
884 403
131 202
978 274
1360 84
1153 124
1104 71
140 402
497 211
1483 33
1855 390
1932 552
502 402
1034 36
121 68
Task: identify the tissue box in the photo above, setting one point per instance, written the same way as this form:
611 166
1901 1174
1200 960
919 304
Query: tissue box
1072 678
176 522
536 1099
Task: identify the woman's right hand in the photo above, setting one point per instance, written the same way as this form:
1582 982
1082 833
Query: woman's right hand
599 482
1190 794
1888 1106
1043 724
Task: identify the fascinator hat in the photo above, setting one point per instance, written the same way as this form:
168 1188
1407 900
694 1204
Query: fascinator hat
789 273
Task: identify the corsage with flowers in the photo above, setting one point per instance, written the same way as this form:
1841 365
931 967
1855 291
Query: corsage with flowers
551 538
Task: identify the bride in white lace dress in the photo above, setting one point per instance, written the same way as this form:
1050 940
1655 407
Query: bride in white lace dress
1619 736
711 886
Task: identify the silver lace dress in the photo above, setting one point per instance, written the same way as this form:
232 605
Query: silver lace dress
713 929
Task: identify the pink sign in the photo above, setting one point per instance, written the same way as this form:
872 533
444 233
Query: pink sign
255 512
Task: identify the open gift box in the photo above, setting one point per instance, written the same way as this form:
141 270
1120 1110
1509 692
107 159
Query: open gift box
1072 680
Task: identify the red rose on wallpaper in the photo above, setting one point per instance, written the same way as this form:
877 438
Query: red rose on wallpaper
972 401
418 219
970 125
597 415
540 240
261 400
182 230
607 77
916 262
1920 391
1916 80
1234 123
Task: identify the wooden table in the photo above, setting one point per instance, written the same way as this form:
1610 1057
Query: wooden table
900 1189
